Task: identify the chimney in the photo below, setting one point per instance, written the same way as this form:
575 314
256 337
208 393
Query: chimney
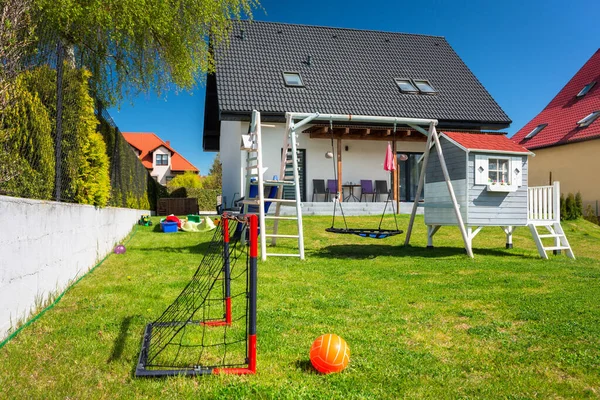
169 143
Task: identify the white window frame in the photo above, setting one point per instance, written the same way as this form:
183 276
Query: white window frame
514 172
535 131
499 159
589 119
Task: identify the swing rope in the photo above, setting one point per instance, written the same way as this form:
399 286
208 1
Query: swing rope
370 233
336 200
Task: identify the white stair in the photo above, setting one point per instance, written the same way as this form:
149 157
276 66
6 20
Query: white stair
252 143
556 233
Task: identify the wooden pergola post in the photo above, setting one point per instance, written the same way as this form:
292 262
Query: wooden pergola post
339 170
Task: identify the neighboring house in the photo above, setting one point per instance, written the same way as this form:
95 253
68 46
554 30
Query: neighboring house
158 157
277 68
565 137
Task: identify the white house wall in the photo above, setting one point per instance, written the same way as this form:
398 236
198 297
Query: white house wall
231 158
161 171
363 160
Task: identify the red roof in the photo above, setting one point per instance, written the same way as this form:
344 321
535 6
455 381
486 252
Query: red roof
565 110
147 142
486 142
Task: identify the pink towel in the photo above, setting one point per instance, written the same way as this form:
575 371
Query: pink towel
390 161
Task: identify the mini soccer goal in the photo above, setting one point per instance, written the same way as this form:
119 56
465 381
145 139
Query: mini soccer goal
210 328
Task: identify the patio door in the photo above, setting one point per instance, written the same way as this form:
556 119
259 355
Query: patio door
409 175
288 191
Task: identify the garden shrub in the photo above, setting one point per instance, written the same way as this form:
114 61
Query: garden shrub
578 205
570 208
590 215
563 207
26 128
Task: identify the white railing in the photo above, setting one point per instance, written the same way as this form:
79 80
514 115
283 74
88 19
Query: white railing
543 203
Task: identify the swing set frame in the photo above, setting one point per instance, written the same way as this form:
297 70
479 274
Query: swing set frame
419 125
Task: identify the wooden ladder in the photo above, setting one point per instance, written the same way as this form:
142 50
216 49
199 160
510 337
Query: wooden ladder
252 143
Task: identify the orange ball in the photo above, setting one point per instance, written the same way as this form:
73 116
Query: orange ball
329 353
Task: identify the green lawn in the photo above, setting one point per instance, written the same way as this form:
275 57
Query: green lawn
420 324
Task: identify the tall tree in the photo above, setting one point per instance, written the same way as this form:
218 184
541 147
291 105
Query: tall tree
140 45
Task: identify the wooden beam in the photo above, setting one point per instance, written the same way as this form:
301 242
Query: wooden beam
362 132
321 130
372 136
339 170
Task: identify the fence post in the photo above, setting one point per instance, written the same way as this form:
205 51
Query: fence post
556 201
59 108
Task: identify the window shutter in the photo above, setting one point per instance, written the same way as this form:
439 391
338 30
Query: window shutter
516 168
481 169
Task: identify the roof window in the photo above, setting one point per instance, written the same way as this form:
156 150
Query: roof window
587 121
424 86
293 79
406 86
535 131
586 89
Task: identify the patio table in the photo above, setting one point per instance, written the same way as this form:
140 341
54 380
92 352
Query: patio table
350 187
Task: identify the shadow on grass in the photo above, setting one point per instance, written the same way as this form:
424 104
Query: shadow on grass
200 248
119 344
371 251
305 366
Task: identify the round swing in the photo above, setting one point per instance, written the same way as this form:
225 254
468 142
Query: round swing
373 233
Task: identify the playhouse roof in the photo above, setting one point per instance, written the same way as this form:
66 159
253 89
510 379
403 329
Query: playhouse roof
347 71
148 142
559 122
485 142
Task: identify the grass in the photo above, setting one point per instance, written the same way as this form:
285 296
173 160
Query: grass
420 324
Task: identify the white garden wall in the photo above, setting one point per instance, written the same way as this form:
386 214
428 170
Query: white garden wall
45 245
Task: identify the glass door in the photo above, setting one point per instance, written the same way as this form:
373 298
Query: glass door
409 175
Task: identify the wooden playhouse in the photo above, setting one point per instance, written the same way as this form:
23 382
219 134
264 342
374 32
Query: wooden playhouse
476 180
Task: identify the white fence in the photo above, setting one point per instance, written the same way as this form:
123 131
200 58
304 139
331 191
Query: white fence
543 203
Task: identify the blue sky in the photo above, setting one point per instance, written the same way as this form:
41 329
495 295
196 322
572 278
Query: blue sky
522 51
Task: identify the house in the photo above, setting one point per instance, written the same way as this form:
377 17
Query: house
277 68
158 156
565 136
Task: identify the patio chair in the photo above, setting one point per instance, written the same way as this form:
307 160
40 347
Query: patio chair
381 188
319 188
366 188
332 188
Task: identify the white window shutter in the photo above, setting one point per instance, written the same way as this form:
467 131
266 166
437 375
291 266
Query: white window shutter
481 169
516 168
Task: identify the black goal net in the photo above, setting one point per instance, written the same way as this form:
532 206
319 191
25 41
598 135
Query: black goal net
210 328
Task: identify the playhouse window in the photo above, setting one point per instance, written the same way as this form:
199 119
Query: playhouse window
498 170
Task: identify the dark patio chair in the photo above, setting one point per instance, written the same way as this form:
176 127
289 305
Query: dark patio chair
319 188
381 188
366 187
332 188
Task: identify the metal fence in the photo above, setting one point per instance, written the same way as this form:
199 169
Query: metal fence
57 141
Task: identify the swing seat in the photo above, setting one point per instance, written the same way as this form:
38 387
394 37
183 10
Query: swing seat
367 233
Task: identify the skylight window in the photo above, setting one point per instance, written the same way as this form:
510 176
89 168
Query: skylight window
293 79
406 86
588 120
535 131
424 86
586 89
